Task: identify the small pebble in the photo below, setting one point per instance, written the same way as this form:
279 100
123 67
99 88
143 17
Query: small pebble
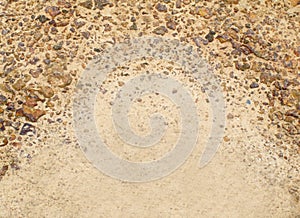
161 8
210 36
160 30
254 85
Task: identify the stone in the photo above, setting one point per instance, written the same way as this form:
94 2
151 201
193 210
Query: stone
160 30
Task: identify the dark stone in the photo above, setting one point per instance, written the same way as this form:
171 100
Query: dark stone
87 4
100 4
254 85
57 47
42 18
160 30
161 7
210 36
26 128
3 99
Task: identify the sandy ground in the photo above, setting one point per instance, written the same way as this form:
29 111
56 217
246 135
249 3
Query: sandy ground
255 172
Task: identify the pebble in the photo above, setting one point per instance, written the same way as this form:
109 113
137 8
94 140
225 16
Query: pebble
223 38
79 24
2 126
3 141
232 1
46 61
178 4
3 171
160 30
243 66
30 113
226 139
26 128
133 26
294 3
46 91
3 99
100 4
230 116
254 85
42 18
31 101
210 36
53 11
171 25
297 51
19 84
204 12
161 8
87 4
57 47
86 35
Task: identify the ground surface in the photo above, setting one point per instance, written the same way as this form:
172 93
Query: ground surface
252 46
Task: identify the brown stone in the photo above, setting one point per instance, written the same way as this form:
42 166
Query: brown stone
232 1
19 84
171 25
46 91
3 141
31 101
31 114
53 11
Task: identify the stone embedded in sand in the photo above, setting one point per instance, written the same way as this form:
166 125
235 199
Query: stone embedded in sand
291 129
53 11
230 116
3 141
2 126
26 128
35 73
203 12
46 91
86 35
242 66
79 24
87 4
18 85
100 4
161 8
254 85
297 51
294 3
226 139
171 25
63 3
3 170
31 100
132 27
223 38
267 78
160 30
178 4
3 100
232 1
31 114
57 47
42 18
210 36
66 80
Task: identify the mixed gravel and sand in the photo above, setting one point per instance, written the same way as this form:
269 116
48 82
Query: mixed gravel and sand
253 48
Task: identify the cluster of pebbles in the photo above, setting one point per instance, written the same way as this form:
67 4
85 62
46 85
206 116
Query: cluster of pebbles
254 47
